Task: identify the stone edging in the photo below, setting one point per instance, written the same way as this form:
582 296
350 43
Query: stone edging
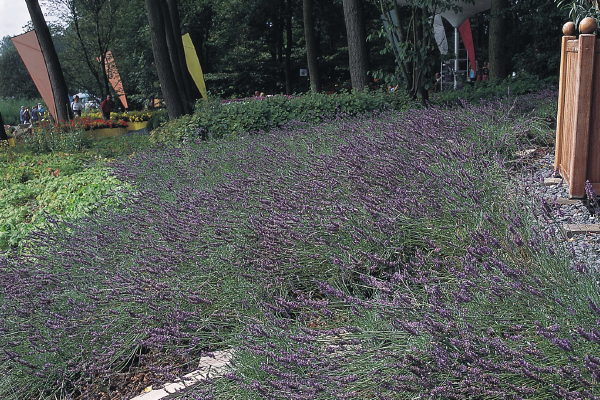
208 367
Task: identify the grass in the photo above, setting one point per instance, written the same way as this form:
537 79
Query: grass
380 256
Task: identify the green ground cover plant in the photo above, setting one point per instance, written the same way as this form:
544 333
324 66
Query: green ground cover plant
66 185
377 255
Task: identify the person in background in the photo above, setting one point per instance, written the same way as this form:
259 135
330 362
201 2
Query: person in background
485 72
437 84
26 116
21 115
35 115
106 107
77 106
41 111
472 76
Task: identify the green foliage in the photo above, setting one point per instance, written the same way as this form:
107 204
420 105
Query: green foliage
91 29
25 204
579 9
157 119
534 34
47 137
513 86
58 184
412 41
216 119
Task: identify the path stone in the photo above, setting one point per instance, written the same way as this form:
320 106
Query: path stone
552 181
561 201
580 229
209 367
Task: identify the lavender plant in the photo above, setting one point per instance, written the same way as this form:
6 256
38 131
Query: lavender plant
364 257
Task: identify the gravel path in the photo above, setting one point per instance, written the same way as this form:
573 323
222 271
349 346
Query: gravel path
585 247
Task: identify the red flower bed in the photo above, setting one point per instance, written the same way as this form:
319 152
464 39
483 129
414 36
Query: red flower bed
88 123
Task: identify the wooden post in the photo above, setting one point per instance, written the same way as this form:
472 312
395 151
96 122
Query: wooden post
561 102
583 100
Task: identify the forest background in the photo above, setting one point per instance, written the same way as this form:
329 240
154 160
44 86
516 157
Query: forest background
259 45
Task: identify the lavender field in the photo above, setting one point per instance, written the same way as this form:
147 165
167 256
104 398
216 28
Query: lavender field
388 256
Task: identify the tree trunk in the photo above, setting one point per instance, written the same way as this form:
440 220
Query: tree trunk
498 40
190 93
363 34
311 46
174 57
162 61
288 48
356 44
102 51
280 28
57 79
3 135
421 18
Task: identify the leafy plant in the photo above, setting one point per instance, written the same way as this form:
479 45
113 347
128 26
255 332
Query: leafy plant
26 204
49 137
232 118
579 9
157 119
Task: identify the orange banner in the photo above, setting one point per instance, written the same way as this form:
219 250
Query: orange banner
29 49
114 77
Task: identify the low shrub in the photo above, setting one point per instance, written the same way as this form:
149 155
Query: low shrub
226 119
157 119
512 86
48 137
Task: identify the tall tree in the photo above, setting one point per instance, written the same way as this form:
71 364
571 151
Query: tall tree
162 60
93 28
357 45
311 45
498 39
57 79
288 47
176 24
171 40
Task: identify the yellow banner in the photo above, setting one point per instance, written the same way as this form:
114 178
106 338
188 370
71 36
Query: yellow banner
193 64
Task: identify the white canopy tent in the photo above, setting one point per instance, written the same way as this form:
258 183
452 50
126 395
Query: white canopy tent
467 11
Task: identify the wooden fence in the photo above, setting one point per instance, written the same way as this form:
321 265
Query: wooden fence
577 156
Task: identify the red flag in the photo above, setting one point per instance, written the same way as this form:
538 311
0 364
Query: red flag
467 38
114 77
29 49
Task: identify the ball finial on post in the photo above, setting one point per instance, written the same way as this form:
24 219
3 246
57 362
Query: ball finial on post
587 25
569 29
